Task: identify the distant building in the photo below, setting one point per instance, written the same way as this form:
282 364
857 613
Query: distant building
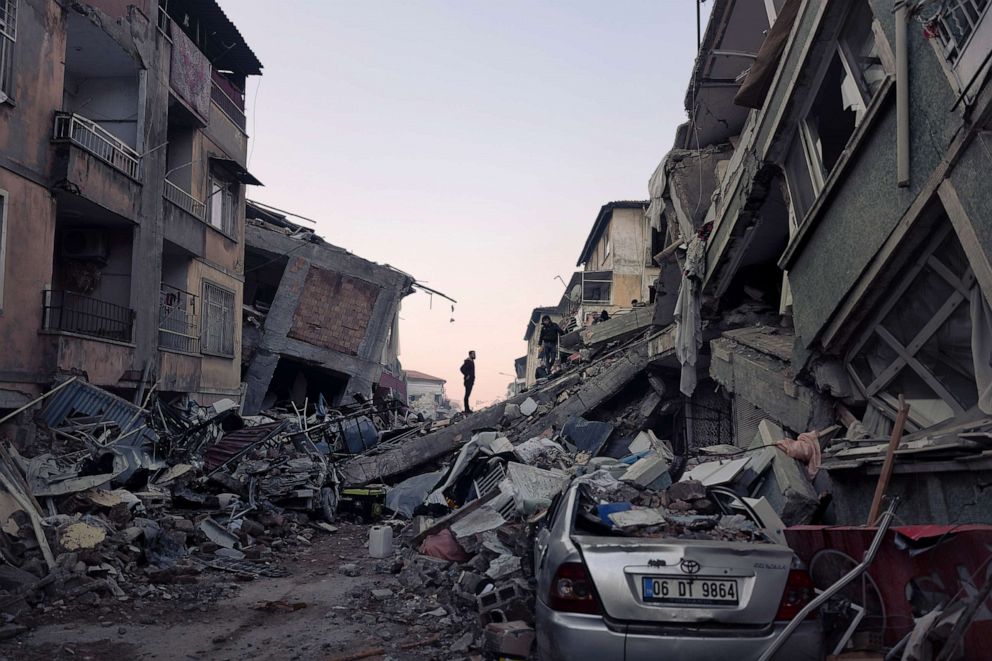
519 382
616 260
425 394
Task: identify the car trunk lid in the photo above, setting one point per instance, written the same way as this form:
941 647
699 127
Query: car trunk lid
677 581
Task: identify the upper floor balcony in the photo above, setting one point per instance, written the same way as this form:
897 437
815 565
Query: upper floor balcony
184 200
87 134
71 312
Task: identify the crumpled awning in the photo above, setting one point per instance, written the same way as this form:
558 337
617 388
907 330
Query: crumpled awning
755 87
236 170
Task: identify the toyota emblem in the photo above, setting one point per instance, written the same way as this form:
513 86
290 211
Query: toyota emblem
689 566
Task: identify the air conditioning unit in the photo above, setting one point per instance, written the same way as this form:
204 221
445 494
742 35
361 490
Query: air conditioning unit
84 244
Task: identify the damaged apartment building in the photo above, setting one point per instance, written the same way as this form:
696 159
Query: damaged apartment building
318 320
827 205
122 185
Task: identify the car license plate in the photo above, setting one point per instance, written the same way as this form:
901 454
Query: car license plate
701 591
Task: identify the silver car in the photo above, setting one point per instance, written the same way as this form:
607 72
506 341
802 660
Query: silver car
613 597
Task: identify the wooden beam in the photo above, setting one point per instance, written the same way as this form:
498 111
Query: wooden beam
883 479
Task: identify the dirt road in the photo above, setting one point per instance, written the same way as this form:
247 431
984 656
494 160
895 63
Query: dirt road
319 613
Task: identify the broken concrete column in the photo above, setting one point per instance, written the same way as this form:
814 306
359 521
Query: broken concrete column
260 371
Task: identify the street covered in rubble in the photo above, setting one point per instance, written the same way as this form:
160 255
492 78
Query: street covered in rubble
754 422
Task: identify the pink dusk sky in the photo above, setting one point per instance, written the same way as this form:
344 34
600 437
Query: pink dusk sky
467 143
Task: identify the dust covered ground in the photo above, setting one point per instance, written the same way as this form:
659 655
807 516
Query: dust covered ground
323 610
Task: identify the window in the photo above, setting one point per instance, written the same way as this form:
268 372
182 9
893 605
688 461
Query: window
853 76
8 35
955 23
597 286
3 241
218 320
607 245
797 177
964 33
920 343
220 205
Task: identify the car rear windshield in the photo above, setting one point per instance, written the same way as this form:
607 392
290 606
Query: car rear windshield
621 510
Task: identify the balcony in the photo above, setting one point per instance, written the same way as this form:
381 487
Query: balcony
93 138
184 200
178 324
234 109
75 313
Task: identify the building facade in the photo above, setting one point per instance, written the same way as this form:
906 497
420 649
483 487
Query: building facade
843 258
426 395
616 261
122 181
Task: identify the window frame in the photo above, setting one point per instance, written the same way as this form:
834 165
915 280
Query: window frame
8 37
590 301
206 310
222 189
905 354
816 173
4 206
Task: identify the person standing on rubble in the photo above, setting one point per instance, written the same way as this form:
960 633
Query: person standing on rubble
468 371
550 332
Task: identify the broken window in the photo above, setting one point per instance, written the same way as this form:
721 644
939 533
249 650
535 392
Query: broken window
8 35
797 178
218 320
852 78
220 205
3 241
921 342
597 287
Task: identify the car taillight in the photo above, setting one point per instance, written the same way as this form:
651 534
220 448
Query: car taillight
572 590
798 592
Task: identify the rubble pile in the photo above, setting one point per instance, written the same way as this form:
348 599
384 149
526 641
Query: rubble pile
467 558
125 502
109 501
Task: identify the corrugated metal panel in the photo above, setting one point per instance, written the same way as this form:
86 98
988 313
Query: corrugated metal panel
235 442
84 398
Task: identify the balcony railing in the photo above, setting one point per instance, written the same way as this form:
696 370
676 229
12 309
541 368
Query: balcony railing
228 106
95 139
184 200
178 324
76 313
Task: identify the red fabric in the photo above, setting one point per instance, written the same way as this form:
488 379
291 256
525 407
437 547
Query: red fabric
444 545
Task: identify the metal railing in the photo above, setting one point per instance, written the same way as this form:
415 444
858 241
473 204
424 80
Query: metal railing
95 139
178 323
184 200
228 105
75 313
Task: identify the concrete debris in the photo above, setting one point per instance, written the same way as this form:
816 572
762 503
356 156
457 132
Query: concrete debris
509 639
528 407
78 536
217 534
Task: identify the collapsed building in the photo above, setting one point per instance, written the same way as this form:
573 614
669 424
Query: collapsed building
318 319
840 201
